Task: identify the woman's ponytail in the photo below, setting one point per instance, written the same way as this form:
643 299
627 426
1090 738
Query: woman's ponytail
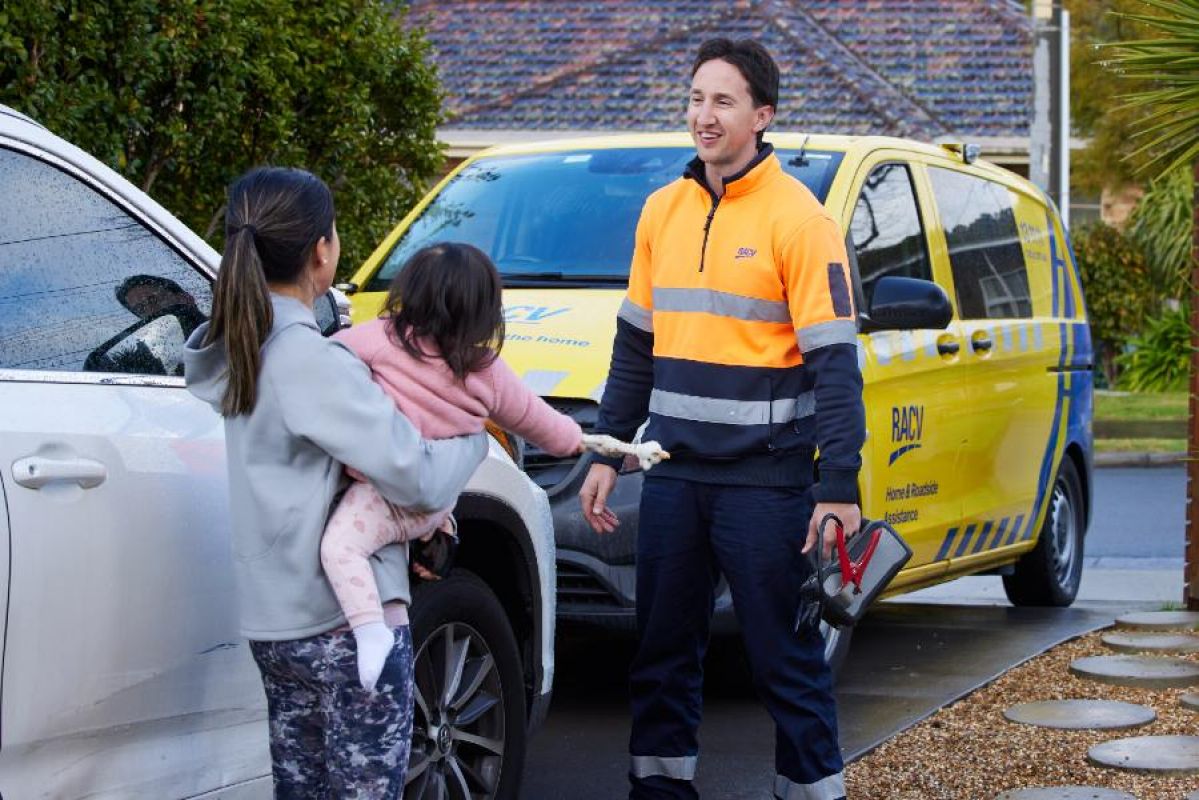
241 318
274 219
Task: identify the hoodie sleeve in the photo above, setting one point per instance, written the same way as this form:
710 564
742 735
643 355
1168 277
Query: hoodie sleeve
326 396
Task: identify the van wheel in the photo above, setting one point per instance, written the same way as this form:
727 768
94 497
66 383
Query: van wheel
468 731
1049 574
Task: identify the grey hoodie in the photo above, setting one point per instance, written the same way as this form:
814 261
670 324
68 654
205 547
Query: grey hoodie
316 410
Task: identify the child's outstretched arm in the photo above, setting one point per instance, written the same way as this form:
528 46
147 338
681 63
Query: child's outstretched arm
518 409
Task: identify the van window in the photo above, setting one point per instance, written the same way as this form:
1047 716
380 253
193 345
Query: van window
984 246
567 216
888 238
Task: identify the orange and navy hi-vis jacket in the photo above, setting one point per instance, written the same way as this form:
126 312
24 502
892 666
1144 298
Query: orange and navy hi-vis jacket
738 337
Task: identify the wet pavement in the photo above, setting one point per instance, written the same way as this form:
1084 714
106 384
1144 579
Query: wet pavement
907 660
909 657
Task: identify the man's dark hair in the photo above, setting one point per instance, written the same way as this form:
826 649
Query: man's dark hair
157 281
752 60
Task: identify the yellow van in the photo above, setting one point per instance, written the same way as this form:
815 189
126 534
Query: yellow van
973 342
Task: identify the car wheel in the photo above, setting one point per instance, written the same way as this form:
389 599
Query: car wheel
468 733
1049 574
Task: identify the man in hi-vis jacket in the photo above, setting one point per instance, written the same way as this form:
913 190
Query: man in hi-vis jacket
737 341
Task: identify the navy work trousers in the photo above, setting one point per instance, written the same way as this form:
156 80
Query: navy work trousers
689 534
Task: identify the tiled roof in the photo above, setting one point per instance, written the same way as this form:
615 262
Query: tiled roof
919 68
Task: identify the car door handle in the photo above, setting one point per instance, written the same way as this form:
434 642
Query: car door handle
35 472
948 347
981 343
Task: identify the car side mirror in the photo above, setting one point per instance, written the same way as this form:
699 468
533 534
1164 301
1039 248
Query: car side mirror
151 347
332 310
906 304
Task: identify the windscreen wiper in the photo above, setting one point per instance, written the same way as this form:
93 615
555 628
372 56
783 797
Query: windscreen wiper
563 277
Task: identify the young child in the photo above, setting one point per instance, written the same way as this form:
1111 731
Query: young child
436 353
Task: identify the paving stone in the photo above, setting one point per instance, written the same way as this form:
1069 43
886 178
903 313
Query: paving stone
1158 755
1144 672
1081 714
1128 642
1160 620
1190 701
1066 793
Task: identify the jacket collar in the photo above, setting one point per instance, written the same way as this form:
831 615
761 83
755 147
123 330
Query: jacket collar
763 166
290 311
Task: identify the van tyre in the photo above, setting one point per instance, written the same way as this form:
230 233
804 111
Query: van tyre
469 721
1049 574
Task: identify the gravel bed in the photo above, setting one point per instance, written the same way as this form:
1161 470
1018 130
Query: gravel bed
969 751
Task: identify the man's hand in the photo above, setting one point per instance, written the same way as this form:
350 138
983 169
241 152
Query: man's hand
594 498
850 516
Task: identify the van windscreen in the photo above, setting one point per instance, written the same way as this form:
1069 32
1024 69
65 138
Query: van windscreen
562 217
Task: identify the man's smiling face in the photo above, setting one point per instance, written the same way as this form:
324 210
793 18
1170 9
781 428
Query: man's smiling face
722 117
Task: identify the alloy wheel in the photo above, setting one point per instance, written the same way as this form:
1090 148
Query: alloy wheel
458 726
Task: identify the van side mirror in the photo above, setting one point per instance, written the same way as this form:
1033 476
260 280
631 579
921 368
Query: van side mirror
898 304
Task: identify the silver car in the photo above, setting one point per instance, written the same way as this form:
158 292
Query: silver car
122 674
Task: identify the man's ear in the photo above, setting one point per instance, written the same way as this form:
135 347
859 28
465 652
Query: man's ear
764 115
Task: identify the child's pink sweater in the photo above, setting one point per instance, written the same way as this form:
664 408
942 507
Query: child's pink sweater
440 406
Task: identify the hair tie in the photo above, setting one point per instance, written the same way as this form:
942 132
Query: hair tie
253 231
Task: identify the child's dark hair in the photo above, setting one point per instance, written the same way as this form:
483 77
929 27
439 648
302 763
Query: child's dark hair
451 294
274 218
752 60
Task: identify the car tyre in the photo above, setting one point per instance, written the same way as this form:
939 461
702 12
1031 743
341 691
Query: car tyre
469 718
1050 573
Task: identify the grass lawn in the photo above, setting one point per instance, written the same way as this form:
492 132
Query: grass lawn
1127 406
1140 445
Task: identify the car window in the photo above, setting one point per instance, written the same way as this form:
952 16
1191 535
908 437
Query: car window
84 286
561 216
888 237
979 220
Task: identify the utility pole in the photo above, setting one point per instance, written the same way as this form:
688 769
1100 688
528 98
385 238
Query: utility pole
1190 589
1049 134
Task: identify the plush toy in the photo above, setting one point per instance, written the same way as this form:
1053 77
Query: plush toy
647 453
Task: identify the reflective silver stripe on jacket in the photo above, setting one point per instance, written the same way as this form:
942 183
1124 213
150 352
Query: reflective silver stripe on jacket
681 767
636 316
830 788
731 412
722 304
838 331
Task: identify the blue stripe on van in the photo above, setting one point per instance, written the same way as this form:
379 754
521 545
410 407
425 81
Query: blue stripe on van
999 533
1011 537
1055 433
965 541
982 538
945 545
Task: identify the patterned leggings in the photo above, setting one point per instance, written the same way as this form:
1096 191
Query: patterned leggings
329 736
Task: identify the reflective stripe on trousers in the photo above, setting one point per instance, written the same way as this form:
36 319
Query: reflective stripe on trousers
679 767
830 788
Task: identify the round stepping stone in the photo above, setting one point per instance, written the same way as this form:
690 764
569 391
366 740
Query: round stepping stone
1152 642
1065 793
1144 672
1159 755
1081 714
1160 620
1190 701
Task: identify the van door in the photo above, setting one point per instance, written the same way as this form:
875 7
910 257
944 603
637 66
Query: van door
993 235
124 674
913 383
